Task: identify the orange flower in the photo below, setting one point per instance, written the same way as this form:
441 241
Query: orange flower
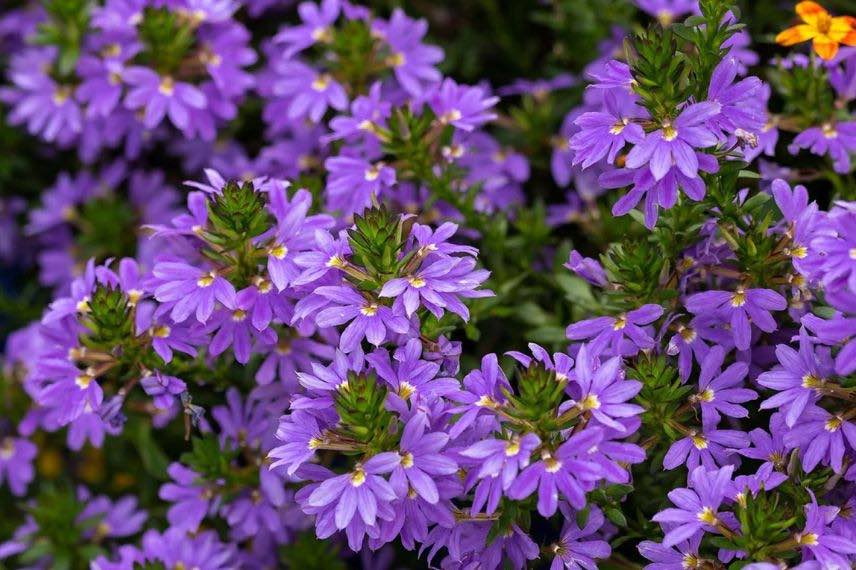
821 28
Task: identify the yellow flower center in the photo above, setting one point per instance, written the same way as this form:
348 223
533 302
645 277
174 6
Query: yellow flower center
688 334
852 253
738 299
335 261
321 82
407 460
314 443
62 94
833 424
369 310
396 60
83 305
512 448
799 251
373 172
670 133
160 331
358 477
707 516
451 116
7 448
406 389
620 322
167 86
84 380
207 280
699 441
706 396
486 402
618 127
416 282
278 251
829 131
551 464
322 34
812 381
807 539
590 402
239 315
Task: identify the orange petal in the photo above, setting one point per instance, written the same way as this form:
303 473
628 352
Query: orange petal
825 47
811 12
850 38
839 28
796 35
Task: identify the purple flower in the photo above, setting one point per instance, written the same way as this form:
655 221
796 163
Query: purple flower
192 500
577 548
421 460
697 507
291 236
190 289
675 557
820 436
409 376
675 142
368 113
316 27
498 462
301 436
708 446
48 108
235 330
821 542
354 181
601 389
463 107
622 334
482 393
799 378
589 269
117 519
16 463
667 11
604 134
161 96
308 91
657 193
839 329
437 284
741 104
360 490
366 318
769 447
329 254
739 309
177 548
162 388
567 470
718 392
837 140
412 62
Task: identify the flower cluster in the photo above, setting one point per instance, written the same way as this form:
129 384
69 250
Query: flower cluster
305 285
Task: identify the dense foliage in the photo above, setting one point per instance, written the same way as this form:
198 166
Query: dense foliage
547 283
